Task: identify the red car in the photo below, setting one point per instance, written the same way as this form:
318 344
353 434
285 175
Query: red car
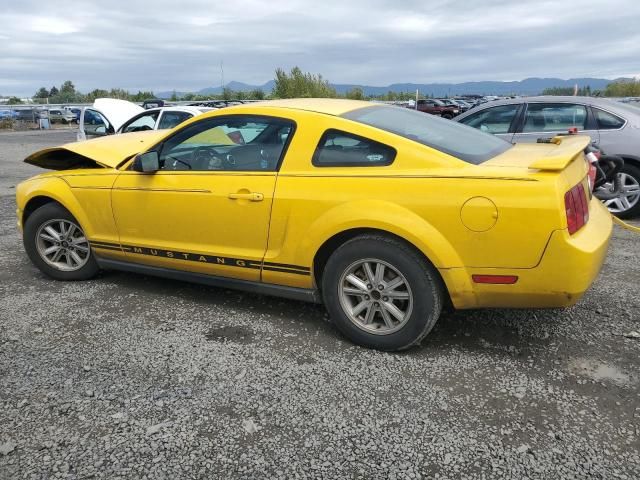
436 107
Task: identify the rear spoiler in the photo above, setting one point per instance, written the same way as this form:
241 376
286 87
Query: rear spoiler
566 150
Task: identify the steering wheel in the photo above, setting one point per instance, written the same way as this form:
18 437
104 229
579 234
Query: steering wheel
206 158
229 162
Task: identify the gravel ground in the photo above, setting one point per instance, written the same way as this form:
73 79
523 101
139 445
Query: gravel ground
133 377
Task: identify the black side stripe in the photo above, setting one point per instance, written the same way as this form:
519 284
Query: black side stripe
285 265
284 270
202 258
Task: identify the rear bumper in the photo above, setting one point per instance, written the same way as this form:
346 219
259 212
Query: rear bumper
568 267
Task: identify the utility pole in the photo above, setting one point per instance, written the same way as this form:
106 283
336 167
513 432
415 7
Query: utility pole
222 75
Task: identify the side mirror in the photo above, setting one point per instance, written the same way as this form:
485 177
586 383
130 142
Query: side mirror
147 162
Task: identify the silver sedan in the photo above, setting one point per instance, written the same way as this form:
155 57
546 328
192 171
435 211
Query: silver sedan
612 125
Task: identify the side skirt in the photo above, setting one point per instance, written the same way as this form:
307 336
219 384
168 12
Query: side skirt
303 294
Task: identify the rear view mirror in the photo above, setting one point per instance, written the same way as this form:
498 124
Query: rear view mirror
147 162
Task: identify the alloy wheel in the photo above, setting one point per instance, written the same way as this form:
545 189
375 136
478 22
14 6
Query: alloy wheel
375 296
622 199
62 245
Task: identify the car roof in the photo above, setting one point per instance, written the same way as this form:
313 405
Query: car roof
605 103
554 99
329 106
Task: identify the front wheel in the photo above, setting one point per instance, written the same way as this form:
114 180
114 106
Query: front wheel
381 293
57 245
622 198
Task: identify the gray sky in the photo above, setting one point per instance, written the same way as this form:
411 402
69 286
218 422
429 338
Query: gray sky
165 45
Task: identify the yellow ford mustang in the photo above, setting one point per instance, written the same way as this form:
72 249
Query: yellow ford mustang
383 213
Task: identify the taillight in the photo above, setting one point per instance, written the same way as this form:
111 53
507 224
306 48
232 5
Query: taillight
576 207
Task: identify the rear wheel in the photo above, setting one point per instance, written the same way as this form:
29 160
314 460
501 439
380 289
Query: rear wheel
623 201
57 245
380 293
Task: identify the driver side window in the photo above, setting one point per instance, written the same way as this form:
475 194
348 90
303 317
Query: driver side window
231 143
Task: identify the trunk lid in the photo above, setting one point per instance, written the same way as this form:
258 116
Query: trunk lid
554 156
108 152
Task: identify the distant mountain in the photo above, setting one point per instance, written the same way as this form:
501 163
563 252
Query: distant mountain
235 86
528 86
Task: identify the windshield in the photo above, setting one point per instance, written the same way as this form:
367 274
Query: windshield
460 141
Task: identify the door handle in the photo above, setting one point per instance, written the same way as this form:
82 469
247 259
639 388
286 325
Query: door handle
251 196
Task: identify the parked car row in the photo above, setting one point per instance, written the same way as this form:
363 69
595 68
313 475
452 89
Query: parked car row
109 116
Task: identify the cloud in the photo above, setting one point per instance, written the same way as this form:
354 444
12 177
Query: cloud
180 45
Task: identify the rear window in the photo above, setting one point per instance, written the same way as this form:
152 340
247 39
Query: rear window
460 141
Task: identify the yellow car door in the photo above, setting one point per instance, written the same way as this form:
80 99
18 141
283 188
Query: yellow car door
207 207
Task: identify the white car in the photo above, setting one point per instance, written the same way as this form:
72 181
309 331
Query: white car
109 116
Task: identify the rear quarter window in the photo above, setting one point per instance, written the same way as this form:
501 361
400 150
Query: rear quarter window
341 149
607 121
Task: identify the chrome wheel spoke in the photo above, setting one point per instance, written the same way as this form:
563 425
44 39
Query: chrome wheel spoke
397 295
78 241
393 310
379 273
386 317
625 202
393 284
50 250
82 248
356 282
57 255
368 319
51 231
47 238
360 307
369 272
354 291
76 258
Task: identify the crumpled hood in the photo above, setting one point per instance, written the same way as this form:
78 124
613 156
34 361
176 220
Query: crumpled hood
109 151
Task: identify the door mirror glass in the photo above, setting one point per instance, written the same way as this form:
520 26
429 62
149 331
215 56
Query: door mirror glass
146 162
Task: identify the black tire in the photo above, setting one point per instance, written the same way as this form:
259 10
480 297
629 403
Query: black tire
38 218
633 171
421 276
448 116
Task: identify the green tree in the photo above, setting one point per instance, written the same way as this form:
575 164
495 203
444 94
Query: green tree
227 93
68 88
97 93
296 84
42 93
14 101
174 96
257 94
54 91
356 93
623 88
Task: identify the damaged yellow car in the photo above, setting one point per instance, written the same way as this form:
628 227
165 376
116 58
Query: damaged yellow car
382 213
